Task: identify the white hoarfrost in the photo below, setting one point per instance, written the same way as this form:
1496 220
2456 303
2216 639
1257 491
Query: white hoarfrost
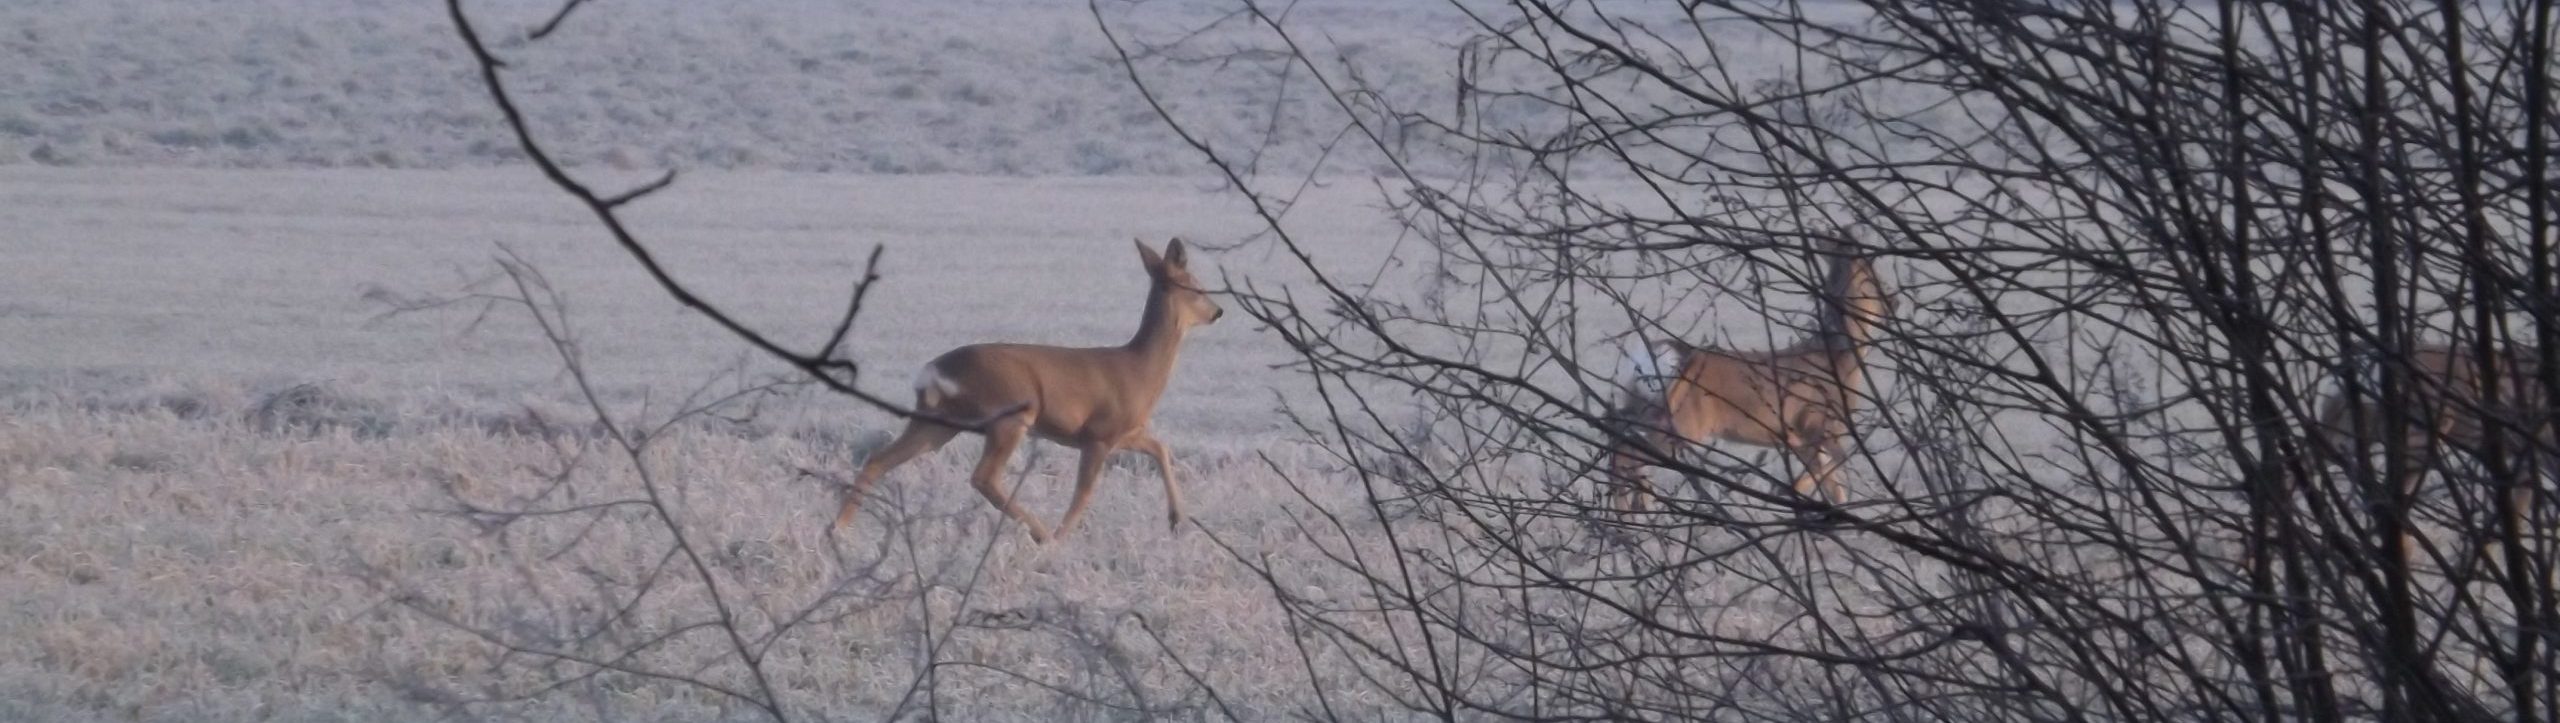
981 87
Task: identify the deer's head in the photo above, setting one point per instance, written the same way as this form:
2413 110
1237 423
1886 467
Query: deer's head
1175 287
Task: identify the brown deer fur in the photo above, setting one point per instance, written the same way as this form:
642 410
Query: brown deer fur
1797 398
2447 412
1096 400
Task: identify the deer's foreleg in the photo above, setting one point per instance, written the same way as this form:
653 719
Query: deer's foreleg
1833 458
1164 466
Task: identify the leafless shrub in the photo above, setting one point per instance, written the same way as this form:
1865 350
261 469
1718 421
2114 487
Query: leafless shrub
2135 245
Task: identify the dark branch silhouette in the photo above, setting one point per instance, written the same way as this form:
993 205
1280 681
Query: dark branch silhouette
2215 382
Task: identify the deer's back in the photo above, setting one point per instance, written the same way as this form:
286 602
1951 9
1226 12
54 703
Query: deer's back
2444 397
1755 397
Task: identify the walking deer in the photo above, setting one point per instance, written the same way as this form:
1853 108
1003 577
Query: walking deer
1796 398
2450 410
1096 400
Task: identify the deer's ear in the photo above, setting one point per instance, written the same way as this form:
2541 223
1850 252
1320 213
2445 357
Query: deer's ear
1148 256
1175 256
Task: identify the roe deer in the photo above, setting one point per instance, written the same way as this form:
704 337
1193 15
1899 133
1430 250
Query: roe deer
2448 412
1797 398
1096 400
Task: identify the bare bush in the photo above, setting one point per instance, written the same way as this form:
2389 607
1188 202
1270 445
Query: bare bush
2135 245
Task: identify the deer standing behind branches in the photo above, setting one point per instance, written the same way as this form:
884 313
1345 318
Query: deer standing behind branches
1797 398
2453 406
1096 400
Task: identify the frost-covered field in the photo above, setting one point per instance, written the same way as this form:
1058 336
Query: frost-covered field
986 87
220 462
1007 87
184 522
219 465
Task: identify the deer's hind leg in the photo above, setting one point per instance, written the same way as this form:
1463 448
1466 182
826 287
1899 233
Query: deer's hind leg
1088 472
1628 490
920 437
1003 437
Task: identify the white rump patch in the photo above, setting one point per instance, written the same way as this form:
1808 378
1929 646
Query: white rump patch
1645 372
931 384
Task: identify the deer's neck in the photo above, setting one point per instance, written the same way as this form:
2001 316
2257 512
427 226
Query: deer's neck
1845 321
1848 328
1158 341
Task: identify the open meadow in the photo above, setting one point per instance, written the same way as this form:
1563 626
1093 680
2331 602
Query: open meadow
228 475
219 459
233 482
233 477
318 401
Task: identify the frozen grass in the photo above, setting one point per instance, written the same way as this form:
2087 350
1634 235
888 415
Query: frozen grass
206 433
982 87
1004 87
202 569
207 436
